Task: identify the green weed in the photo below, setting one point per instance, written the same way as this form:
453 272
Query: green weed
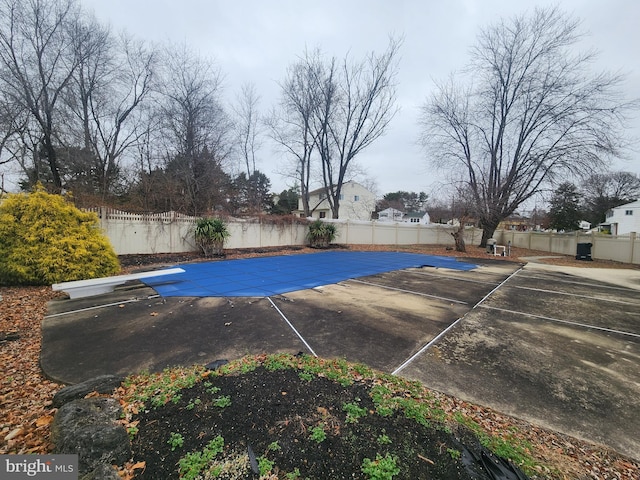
278 362
274 446
318 434
160 388
132 431
192 404
213 390
382 468
265 465
222 402
455 454
192 465
175 441
293 475
354 412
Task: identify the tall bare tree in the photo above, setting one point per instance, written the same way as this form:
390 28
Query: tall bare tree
248 126
12 123
532 112
332 110
110 84
197 129
357 105
291 126
38 61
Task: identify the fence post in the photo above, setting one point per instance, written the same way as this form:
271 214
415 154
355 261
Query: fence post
632 241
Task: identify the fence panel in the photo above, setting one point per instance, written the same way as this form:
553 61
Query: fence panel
172 232
620 248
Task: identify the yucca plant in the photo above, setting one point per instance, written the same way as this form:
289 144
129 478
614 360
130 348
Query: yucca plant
210 235
321 234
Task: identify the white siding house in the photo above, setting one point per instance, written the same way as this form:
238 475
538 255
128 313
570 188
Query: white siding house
623 219
421 218
356 203
390 215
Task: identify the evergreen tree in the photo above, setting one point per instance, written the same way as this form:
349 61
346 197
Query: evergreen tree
287 202
564 213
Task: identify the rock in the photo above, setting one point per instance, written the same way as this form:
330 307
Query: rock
101 384
9 336
13 434
88 427
102 472
216 364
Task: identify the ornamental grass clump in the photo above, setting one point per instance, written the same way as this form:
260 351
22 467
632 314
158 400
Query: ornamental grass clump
45 239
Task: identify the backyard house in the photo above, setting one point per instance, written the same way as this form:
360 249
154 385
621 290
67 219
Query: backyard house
623 219
421 218
356 203
516 222
390 215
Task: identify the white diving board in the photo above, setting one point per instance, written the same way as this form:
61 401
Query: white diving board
97 286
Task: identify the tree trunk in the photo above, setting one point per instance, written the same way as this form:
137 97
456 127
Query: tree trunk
52 159
458 237
488 229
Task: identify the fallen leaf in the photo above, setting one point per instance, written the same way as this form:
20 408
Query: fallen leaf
44 420
154 314
138 465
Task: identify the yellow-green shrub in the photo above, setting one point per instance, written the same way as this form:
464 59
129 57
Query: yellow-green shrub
45 239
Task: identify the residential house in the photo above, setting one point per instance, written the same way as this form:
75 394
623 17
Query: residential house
422 218
623 219
517 222
356 203
468 222
390 215
584 225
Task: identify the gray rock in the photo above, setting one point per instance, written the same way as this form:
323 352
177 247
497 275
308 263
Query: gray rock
102 472
88 427
101 384
216 364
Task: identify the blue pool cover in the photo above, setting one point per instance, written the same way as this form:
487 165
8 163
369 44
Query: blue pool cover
266 276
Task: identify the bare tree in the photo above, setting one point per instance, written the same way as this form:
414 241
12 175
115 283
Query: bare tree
12 123
533 113
248 126
197 129
113 79
292 125
38 60
604 191
357 105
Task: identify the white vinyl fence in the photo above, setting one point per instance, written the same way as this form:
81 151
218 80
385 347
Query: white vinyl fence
353 232
620 248
172 232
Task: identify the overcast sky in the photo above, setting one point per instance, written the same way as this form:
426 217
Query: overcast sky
255 40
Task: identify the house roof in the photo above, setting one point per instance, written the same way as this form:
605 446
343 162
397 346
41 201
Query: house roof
415 214
635 204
